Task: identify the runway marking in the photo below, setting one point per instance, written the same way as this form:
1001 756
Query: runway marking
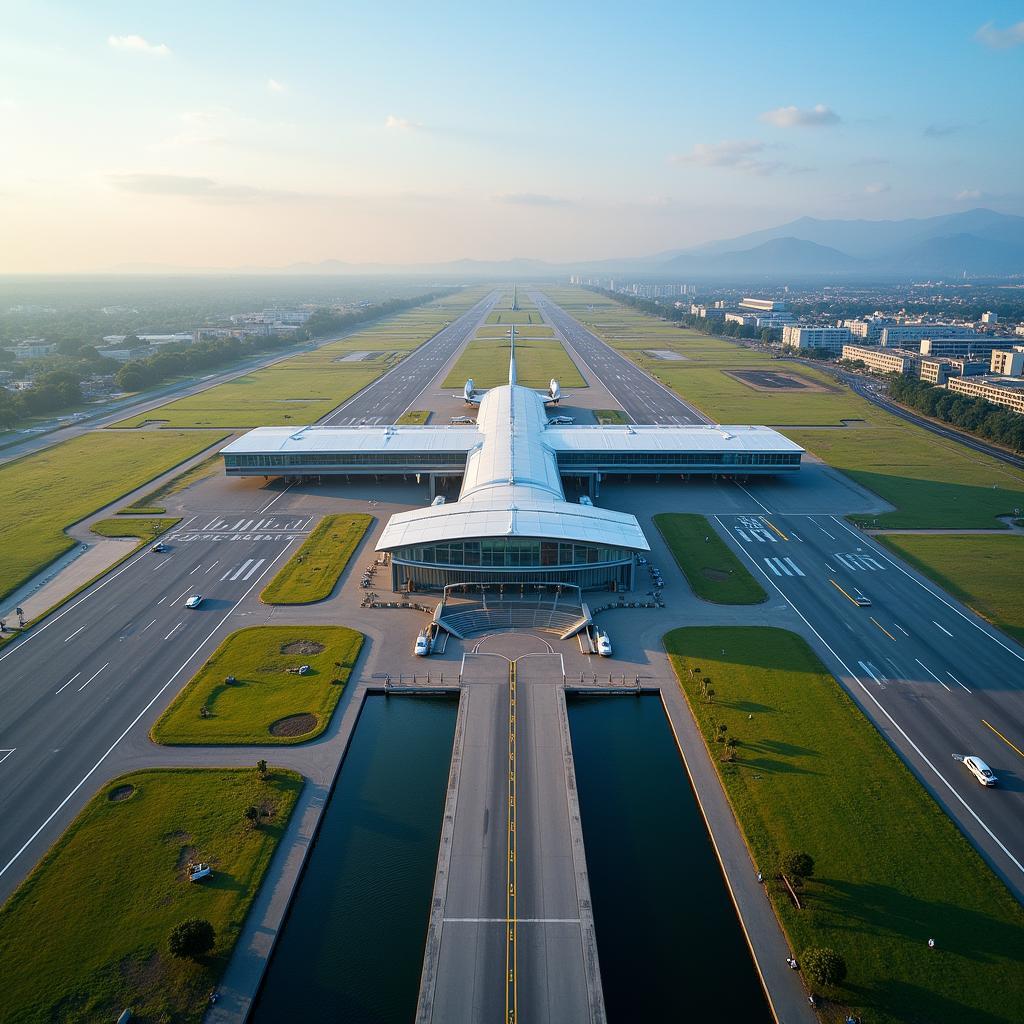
179 597
869 672
162 599
135 721
68 683
829 567
225 576
73 635
843 592
957 681
195 570
793 566
795 537
772 526
511 928
147 627
91 678
768 562
883 629
212 567
256 566
943 628
173 631
209 525
901 629
844 562
983 722
820 527
269 503
882 710
931 673
245 565
743 536
6 753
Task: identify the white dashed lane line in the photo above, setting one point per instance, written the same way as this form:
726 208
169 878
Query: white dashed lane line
73 635
69 682
91 678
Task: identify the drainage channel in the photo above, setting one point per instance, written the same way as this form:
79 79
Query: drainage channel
670 943
351 947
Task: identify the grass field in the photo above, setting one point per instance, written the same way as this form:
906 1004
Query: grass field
314 570
414 417
518 316
931 482
200 471
986 573
264 692
537 361
307 386
712 570
86 934
45 493
147 530
612 417
891 870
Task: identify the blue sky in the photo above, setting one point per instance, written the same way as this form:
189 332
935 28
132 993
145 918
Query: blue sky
225 133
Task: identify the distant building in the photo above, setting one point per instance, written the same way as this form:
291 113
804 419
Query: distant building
746 319
764 305
1019 330
775 321
899 335
870 328
125 355
708 312
287 315
938 371
883 360
957 346
990 318
799 337
998 390
1008 362
33 348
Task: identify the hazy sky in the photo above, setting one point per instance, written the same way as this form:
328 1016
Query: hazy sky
227 133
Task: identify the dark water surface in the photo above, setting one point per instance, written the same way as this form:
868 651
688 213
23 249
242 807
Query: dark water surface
670 943
352 946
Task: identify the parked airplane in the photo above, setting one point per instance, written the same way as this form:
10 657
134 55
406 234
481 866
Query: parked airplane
471 396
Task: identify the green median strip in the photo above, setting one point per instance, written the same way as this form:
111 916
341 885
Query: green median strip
712 570
809 773
86 935
264 684
485 360
314 570
611 417
414 418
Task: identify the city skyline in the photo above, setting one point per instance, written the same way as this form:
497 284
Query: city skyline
398 136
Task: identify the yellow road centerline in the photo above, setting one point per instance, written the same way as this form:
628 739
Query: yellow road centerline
1009 743
881 627
772 526
843 592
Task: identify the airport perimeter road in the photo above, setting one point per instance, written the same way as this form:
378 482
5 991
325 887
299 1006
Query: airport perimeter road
934 678
642 397
74 686
389 396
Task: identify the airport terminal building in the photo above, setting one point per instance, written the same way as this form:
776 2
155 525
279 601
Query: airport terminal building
511 523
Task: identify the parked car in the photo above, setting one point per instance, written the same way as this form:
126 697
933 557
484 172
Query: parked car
979 769
604 644
194 601
422 648
557 421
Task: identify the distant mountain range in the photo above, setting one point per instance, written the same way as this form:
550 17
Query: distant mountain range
976 242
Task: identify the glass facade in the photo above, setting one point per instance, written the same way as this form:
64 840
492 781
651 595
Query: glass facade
607 461
510 552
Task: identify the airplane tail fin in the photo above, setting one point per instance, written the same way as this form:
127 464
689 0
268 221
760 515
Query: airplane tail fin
512 359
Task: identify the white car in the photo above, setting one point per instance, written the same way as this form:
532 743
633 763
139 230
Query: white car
557 421
422 648
980 770
194 601
604 645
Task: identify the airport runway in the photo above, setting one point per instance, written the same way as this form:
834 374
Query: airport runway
639 394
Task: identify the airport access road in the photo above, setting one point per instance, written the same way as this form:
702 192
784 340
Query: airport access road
389 396
934 678
639 394
73 687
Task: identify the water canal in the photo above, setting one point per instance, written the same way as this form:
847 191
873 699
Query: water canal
670 943
352 945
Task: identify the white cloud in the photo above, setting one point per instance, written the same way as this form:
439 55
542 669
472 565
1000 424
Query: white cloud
737 153
206 189
797 117
530 199
1000 38
876 188
968 194
401 123
136 44
273 85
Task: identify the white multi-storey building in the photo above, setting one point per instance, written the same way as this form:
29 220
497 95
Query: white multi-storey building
1008 362
998 390
833 338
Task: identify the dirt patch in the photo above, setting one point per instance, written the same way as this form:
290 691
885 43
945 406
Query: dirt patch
302 647
775 382
715 574
186 855
119 793
294 725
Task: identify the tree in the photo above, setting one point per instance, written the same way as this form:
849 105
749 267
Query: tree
261 767
823 966
796 864
252 815
191 938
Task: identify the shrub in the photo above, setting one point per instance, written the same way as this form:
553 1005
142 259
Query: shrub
191 938
796 864
823 966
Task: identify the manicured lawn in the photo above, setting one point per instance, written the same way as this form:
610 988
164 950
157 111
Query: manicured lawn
611 416
932 483
414 417
200 471
986 573
712 570
147 530
891 870
264 691
537 361
43 494
312 572
85 936
518 316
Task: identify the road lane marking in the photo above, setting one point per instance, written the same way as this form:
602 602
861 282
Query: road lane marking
869 672
255 568
840 558
795 537
883 629
91 678
996 731
271 502
69 682
772 526
245 565
173 631
162 599
901 629
932 674
209 525
511 928
768 562
135 721
73 635
504 920
820 527
829 567
793 566
212 567
195 570
843 592
954 793
225 576
957 681
147 627
943 628
6 753
180 596
742 534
